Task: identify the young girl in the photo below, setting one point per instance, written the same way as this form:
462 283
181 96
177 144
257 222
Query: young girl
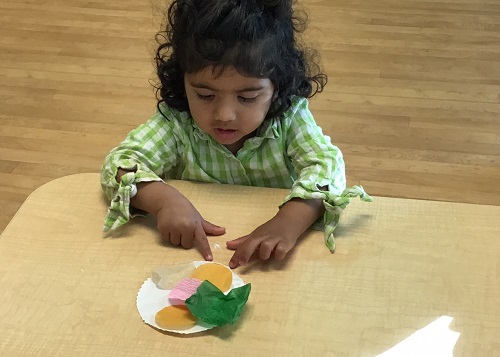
232 109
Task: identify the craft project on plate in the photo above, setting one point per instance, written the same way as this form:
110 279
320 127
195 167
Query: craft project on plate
192 297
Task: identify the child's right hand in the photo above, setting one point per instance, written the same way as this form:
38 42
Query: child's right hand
178 222
181 224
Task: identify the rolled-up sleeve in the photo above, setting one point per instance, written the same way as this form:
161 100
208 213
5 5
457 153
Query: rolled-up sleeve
320 170
147 152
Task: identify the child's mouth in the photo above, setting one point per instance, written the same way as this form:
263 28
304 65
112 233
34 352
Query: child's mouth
225 134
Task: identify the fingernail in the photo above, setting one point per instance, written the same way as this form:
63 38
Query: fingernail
241 263
232 264
209 257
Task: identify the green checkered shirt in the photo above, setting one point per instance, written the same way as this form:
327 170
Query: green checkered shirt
291 152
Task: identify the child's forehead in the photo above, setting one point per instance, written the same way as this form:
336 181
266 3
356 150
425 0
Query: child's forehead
228 78
216 72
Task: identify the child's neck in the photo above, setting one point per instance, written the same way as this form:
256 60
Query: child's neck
235 147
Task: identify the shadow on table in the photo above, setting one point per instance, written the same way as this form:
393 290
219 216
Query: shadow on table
226 332
353 224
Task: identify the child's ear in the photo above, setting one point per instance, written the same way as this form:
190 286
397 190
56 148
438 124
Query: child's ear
275 95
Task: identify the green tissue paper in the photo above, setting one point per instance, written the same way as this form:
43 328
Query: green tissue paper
211 306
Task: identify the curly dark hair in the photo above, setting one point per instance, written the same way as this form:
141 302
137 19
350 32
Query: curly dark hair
257 37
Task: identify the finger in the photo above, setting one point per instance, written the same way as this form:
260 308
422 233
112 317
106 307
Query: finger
174 238
235 243
212 229
187 240
165 238
282 250
266 248
165 234
201 240
244 252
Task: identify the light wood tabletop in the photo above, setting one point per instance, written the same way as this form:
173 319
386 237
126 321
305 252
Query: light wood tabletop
413 94
400 264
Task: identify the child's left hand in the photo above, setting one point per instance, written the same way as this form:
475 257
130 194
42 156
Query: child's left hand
271 237
278 235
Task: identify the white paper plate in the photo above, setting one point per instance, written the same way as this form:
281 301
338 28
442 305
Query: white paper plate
150 300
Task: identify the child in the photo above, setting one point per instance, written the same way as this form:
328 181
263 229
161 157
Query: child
232 109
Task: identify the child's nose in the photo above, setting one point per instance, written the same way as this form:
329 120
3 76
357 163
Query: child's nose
224 111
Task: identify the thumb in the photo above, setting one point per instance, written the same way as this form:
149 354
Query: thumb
212 229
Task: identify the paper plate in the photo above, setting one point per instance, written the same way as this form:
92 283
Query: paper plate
150 300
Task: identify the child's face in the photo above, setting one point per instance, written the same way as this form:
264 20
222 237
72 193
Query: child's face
229 107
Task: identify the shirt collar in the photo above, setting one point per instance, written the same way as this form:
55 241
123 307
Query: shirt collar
269 129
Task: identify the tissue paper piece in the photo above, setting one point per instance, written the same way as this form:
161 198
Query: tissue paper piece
434 340
165 277
175 317
151 298
215 273
183 290
211 306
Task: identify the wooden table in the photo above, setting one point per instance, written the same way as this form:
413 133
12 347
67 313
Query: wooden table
400 264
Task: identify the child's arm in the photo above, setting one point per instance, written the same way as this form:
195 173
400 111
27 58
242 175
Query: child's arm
149 152
144 155
279 234
319 172
178 222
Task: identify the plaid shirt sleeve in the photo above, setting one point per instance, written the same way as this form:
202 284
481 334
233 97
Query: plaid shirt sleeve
147 151
320 169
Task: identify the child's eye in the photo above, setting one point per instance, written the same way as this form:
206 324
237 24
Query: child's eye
247 100
204 97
